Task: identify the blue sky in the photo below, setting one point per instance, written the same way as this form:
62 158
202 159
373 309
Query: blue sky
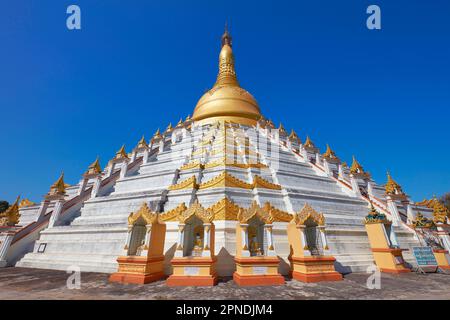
68 96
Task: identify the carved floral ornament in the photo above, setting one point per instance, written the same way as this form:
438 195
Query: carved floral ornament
307 212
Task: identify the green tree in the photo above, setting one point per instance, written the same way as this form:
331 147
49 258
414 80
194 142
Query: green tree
445 199
3 205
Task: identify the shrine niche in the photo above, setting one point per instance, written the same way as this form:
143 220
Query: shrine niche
194 260
310 257
383 242
143 253
256 260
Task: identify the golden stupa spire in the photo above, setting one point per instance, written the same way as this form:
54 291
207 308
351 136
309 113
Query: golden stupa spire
227 73
227 100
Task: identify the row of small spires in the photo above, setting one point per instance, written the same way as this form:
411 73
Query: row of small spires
392 187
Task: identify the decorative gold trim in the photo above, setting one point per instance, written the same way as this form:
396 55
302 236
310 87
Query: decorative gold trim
307 212
189 183
225 180
215 164
173 214
192 165
259 182
145 213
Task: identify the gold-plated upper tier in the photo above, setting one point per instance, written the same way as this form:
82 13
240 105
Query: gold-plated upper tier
227 100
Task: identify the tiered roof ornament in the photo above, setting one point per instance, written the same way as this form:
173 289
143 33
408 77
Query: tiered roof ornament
94 168
330 155
10 217
281 129
121 154
58 189
169 128
294 137
357 169
157 136
180 123
392 187
309 145
142 144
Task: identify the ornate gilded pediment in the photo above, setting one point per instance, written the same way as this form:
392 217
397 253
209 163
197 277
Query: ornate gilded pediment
276 214
225 209
245 215
145 213
306 213
196 209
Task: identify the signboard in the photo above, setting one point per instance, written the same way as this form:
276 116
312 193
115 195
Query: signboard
259 270
425 259
191 271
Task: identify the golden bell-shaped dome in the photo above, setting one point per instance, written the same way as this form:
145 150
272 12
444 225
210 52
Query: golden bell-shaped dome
227 100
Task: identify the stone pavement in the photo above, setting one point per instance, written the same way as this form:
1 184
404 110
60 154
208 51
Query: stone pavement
24 283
